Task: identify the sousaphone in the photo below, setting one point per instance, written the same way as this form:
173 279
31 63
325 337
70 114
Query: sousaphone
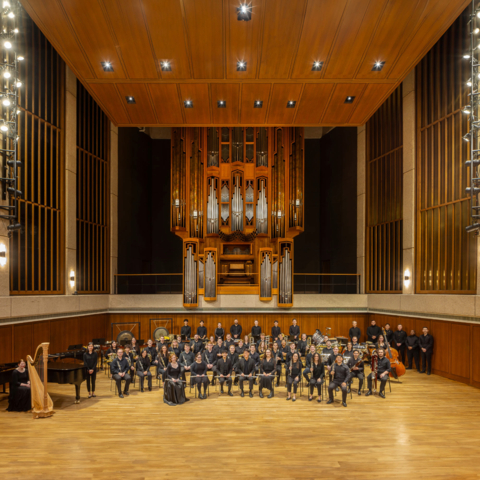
124 338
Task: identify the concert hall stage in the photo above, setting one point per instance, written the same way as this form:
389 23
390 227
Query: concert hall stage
427 427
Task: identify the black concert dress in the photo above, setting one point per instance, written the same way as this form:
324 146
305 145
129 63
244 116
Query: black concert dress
267 366
20 397
174 392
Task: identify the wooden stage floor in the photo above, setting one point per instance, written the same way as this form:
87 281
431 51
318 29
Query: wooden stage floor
428 427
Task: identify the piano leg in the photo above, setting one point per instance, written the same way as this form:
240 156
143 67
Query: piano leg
77 393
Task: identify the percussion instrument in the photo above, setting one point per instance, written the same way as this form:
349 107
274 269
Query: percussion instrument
124 338
161 332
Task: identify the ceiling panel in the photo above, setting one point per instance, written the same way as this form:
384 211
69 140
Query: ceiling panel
314 101
199 95
93 32
322 20
338 112
164 16
127 21
251 92
108 97
375 94
142 110
204 30
166 103
229 93
278 113
282 28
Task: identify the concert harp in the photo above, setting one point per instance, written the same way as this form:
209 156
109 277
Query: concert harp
42 405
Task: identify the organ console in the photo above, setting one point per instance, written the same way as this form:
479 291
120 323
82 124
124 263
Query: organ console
237 204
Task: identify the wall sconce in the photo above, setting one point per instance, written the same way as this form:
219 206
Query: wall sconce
3 255
72 278
406 278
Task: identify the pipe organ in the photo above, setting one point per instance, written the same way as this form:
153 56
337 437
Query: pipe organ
237 203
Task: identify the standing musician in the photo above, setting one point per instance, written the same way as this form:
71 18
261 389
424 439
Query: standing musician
219 348
383 370
187 358
399 338
389 333
246 371
268 367
236 330
202 330
219 332
294 331
174 348
197 345
277 355
90 360
210 358
241 347
425 342
354 331
143 370
308 362
302 345
340 377
413 350
275 331
356 371
373 332
163 362
229 341
294 375
186 331
224 371
256 331
199 375
318 376
119 369
348 352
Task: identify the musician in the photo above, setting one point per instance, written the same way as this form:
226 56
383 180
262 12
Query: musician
383 370
294 331
233 356
399 338
152 352
268 368
90 360
277 355
389 333
174 348
134 348
317 337
210 358
143 370
197 345
284 349
187 358
256 331
112 350
174 391
280 340
318 376
245 371
129 356
262 340
202 330
219 348
292 350
256 357
246 341
241 347
325 339
261 349
381 343
119 369
356 371
229 341
275 331
163 361
181 345
348 352
308 362
340 376
20 399
302 345
186 331
354 331
373 332
425 342
224 371
219 332
236 330
212 340
413 350
294 374
199 375
355 343
328 350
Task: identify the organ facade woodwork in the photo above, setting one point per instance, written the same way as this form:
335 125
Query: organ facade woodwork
237 203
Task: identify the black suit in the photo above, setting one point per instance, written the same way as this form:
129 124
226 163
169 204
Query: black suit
219 333
294 331
236 330
400 337
355 332
116 368
225 367
426 342
275 333
373 331
414 352
341 375
246 367
186 331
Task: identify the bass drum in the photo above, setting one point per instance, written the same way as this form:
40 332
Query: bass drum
160 332
124 338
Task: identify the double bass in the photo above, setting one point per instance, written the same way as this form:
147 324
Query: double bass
392 354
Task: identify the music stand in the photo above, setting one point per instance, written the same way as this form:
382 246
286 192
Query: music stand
99 341
184 338
291 339
75 347
256 338
140 342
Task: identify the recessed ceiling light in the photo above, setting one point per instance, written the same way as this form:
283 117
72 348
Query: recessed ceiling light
291 104
258 104
377 66
317 66
130 100
222 104
107 67
244 12
349 100
166 66
188 104
241 66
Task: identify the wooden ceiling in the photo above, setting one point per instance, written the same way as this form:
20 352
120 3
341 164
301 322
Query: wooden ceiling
203 41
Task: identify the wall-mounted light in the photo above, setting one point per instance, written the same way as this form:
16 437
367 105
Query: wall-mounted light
72 278
3 255
406 278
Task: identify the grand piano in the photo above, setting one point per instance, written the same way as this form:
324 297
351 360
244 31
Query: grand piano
64 372
6 374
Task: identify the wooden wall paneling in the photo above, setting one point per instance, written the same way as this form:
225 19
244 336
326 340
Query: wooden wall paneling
23 338
327 321
122 318
41 332
475 348
460 351
63 333
6 339
441 332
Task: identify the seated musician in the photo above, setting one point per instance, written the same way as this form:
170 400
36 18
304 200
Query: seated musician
186 331
262 339
151 352
197 345
229 341
219 332
120 369
308 362
317 337
332 359
187 358
233 356
267 368
356 370
20 399
143 370
246 341
340 376
294 331
134 348
281 338
328 350
355 343
174 391
219 348
383 370
224 372
291 351
174 348
131 362
241 347
202 331
256 331
246 371
302 345
210 358
381 343
348 352
277 355
112 350
256 357
181 345
325 339
199 375
317 368
275 331
90 359
294 375
284 349
261 349
212 340
163 361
